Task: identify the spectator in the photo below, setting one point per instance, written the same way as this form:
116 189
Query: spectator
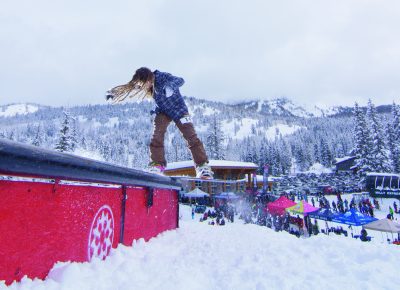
364 235
391 212
334 205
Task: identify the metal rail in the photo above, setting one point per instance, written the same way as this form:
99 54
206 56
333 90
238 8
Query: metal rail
18 158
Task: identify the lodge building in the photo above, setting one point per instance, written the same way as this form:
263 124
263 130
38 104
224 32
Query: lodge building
229 176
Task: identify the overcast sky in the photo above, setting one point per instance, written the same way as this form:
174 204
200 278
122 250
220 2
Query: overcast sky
313 52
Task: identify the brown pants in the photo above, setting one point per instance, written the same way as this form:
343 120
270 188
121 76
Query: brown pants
157 151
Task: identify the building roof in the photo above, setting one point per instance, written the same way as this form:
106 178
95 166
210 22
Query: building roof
213 164
343 159
382 174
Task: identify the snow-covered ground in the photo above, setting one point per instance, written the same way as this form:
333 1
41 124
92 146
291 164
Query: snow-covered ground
235 256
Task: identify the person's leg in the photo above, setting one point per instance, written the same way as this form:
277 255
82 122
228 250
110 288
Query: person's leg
157 152
194 143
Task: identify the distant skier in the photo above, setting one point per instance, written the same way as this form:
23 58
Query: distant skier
170 106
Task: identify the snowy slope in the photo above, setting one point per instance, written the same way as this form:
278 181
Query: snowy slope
17 109
235 256
286 107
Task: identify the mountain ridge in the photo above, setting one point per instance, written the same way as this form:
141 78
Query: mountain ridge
281 106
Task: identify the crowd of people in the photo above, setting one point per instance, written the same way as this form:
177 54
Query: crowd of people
254 210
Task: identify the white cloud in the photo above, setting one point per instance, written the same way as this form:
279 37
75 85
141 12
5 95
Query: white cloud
70 52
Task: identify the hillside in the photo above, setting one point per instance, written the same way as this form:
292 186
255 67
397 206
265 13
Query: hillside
276 132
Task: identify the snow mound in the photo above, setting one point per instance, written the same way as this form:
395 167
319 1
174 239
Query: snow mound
234 256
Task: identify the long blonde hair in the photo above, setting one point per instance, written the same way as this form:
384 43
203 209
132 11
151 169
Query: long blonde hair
140 87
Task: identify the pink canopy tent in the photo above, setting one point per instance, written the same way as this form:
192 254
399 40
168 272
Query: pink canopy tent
302 207
278 206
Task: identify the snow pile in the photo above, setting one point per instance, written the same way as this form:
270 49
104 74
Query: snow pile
235 256
318 168
17 109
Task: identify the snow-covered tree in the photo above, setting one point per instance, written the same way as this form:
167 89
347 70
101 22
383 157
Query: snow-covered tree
326 155
38 140
64 143
393 138
215 139
362 143
378 153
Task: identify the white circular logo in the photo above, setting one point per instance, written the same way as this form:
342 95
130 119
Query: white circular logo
101 234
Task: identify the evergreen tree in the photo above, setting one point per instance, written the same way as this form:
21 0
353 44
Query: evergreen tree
300 159
317 155
393 133
64 140
74 134
286 158
326 155
38 139
380 160
362 143
215 139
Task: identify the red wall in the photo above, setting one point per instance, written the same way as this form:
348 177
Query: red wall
43 223
143 222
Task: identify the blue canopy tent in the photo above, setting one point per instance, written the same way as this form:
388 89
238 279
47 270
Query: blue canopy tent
324 214
353 218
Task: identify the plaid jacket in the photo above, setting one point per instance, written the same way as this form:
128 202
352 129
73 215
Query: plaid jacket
167 96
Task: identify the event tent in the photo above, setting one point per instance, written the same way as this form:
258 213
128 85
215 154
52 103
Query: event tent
196 193
278 206
383 225
354 218
324 214
302 207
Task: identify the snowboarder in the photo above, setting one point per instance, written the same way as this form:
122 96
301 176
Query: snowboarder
170 106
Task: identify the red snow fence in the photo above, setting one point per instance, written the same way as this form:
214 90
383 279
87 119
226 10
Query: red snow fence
60 207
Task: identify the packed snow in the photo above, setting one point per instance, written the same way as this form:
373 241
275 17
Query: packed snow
234 256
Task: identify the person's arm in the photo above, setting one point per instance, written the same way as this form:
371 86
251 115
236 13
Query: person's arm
172 84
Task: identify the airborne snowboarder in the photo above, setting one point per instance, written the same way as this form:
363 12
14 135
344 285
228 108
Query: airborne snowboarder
170 106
